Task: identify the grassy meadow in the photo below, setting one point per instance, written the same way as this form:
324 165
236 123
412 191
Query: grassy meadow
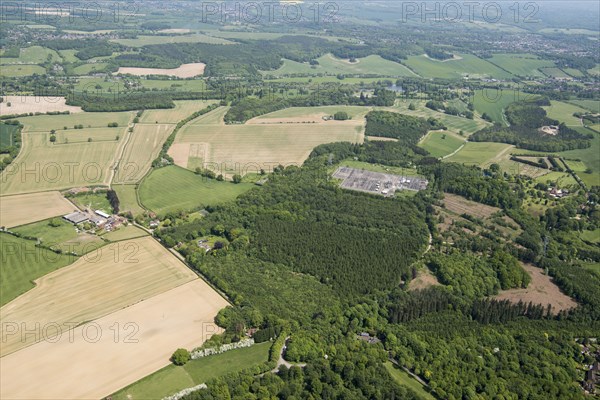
172 379
22 263
173 188
466 65
440 144
525 65
330 65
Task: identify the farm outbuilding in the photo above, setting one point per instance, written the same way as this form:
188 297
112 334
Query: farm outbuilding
76 217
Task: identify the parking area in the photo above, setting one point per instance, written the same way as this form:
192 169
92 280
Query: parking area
377 182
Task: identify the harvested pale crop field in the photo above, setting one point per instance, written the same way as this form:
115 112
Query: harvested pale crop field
141 148
42 165
33 104
26 208
240 149
44 123
103 281
182 110
460 205
183 71
99 362
541 290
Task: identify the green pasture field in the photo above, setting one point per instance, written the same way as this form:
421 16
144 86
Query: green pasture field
22 263
330 65
127 195
468 65
324 79
480 153
182 85
573 72
69 55
264 35
493 102
521 64
590 105
591 236
173 188
18 70
172 379
87 69
592 266
452 122
32 55
440 144
92 201
385 169
564 112
554 72
63 237
142 40
569 31
6 135
45 123
562 178
594 71
402 378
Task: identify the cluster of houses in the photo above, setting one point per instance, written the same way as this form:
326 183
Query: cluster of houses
366 337
557 193
99 218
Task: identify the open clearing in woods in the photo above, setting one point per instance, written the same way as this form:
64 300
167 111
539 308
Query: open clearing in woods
183 71
240 149
33 104
26 208
460 205
106 280
116 350
541 290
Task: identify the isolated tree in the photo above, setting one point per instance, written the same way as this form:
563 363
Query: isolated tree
412 107
341 116
53 138
237 178
180 357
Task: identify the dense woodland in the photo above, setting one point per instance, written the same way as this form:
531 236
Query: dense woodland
453 336
409 130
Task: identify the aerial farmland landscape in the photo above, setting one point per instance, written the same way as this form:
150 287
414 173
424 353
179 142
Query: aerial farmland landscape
206 200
